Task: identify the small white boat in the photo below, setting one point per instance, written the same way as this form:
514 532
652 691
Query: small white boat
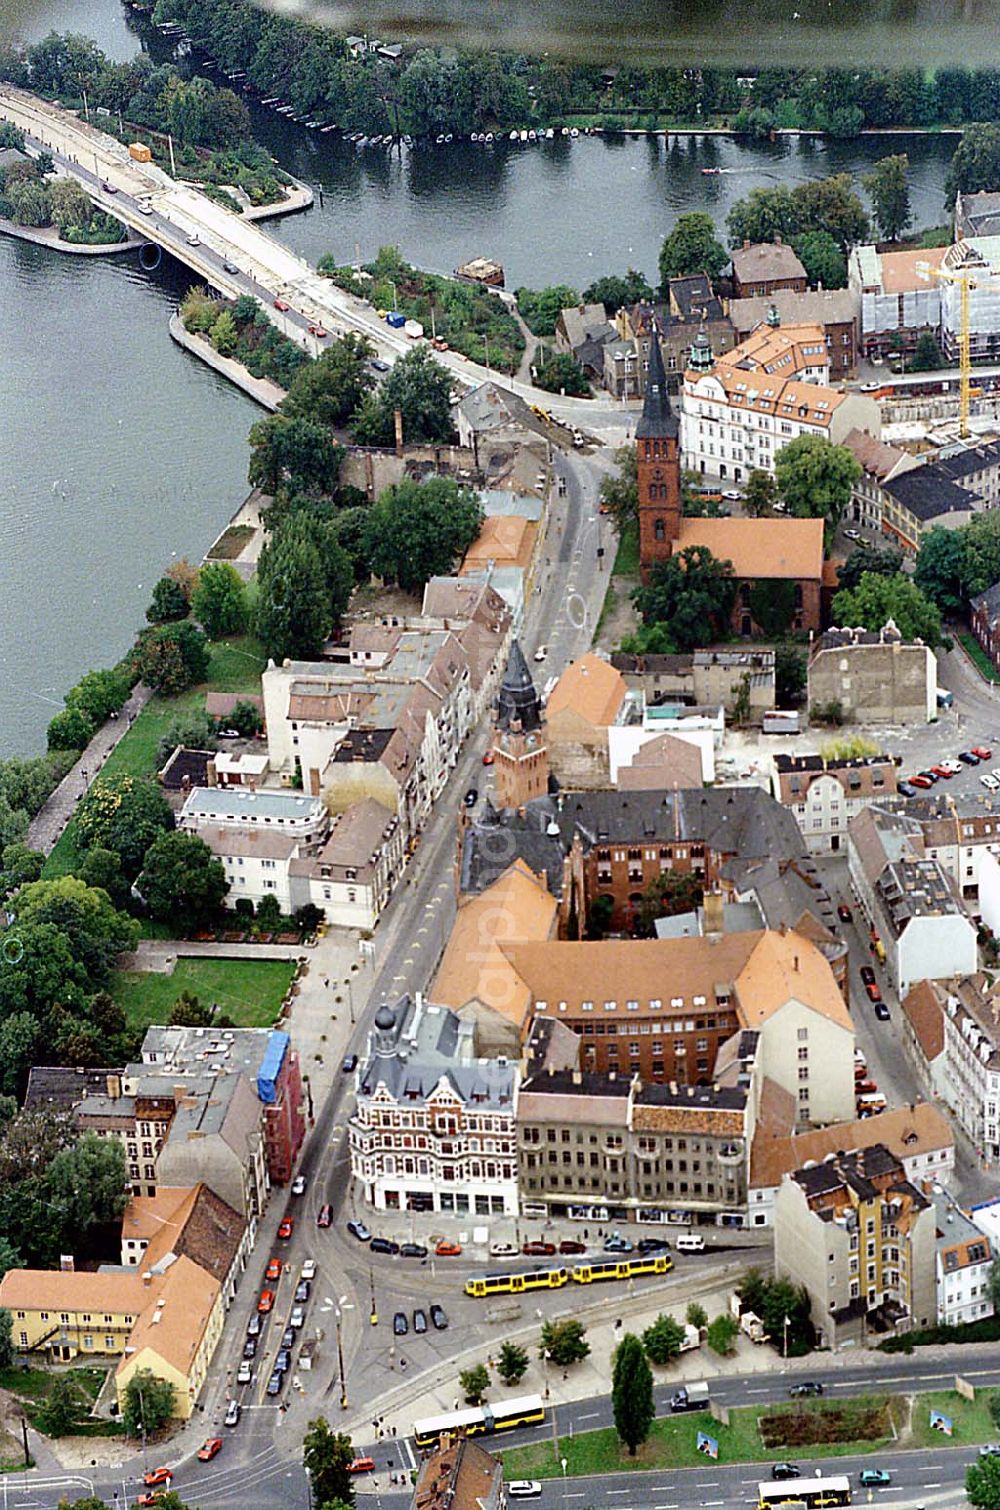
439 140
488 138
574 131
524 136
449 138
375 141
272 99
565 131
325 130
549 134
513 136
407 141
532 136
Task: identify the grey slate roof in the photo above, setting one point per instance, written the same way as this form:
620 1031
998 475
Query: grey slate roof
989 603
518 700
426 1045
492 845
745 821
928 494
658 419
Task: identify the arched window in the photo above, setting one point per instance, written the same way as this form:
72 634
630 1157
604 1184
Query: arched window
659 530
745 594
798 594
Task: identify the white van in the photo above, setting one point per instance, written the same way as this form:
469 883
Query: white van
690 1242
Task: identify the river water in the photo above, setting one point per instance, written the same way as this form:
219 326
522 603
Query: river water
117 450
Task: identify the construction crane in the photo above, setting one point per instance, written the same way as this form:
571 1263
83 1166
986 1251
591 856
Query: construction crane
967 276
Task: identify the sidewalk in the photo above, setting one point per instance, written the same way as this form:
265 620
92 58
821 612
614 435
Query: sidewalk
47 824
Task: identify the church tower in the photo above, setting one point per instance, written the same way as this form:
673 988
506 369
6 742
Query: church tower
520 756
658 468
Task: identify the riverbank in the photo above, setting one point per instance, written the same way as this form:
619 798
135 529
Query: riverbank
262 390
48 236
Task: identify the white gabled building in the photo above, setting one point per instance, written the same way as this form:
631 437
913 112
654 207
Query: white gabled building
434 1125
963 1262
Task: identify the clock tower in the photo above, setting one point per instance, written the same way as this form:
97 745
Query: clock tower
520 754
658 467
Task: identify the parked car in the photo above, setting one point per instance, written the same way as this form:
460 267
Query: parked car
318 332
325 1217
400 1325
618 1244
906 789
286 1228
989 782
297 1319
868 975
208 1450
503 1250
805 1389
882 1011
350 1064
874 991
356 1229
967 757
299 1185
851 534
653 1245
384 1245
954 766
378 365
413 1250
230 267
232 1416
288 1337
275 1382
982 751
990 1450
419 1320
471 797
538 1248
874 1478
283 1362
844 913
193 240
150 1498
266 1301
154 1476
302 1291
919 781
524 1489
439 1318
448 1249
488 758
309 1269
108 188
244 1374
541 652
250 1348
274 1269
253 1325
281 305
786 1471
572 1245
929 774
942 771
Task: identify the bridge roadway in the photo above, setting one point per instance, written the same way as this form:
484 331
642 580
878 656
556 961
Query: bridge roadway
231 253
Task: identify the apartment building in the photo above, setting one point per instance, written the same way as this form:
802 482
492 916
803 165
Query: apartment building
984 616
705 677
836 310
586 1138
972 1061
433 1126
824 795
880 463
923 499
861 1239
764 268
964 1259
875 676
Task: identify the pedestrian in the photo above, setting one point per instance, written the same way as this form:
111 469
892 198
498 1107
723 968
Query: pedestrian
326 983
393 1430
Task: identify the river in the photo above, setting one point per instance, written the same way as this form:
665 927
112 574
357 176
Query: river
118 451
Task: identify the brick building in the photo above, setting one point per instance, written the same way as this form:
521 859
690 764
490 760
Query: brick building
767 267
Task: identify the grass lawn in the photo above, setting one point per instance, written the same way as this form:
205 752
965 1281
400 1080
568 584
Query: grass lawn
672 1444
627 555
235 666
979 656
972 1419
249 991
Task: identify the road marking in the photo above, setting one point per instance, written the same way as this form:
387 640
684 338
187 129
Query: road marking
591 1417
936 1485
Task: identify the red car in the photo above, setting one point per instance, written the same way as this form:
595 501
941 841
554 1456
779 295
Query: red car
361 1465
538 1249
874 991
939 770
287 1228
572 1245
325 1216
844 913
488 758
273 1270
281 304
983 751
921 781
151 1497
211 1447
266 1301
318 332
448 1249
154 1476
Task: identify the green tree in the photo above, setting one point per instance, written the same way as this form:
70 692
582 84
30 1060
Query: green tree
99 694
196 730
764 214
123 814
691 247
70 203
418 530
103 868
224 336
789 675
564 1341
617 293
691 594
330 389
87 1183
664 1339
884 559
941 570
304 583
888 188
327 1456
927 354
6 1333
976 163
632 1393
182 882
981 539
62 1409
783 1300
822 258
18 865
620 491
70 729
759 494
666 895
171 657
188 1012
20 1033
29 202
722 1334
877 599
269 912
169 602
245 718
696 1315
512 1363
772 606
815 479
219 602
148 1404
420 388
541 308
559 372
473 1383
982 1483
298 453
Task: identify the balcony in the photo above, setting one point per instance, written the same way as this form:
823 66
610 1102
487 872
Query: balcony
729 1154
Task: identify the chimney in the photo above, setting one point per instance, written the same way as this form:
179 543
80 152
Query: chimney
712 906
777 238
66 1264
114 1085
746 243
211 773
397 415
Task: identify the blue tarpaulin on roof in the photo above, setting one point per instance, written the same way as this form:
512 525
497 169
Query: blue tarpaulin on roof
270 1067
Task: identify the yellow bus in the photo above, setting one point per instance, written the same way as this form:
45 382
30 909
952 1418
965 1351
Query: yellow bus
622 1268
505 1415
514 1284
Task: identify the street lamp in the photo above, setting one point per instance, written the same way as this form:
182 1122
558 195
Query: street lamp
350 999
784 1345
340 1360
546 1355
373 1318
564 1462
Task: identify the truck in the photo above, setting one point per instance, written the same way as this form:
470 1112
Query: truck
781 721
692 1338
413 329
690 1397
139 152
396 319
750 1325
